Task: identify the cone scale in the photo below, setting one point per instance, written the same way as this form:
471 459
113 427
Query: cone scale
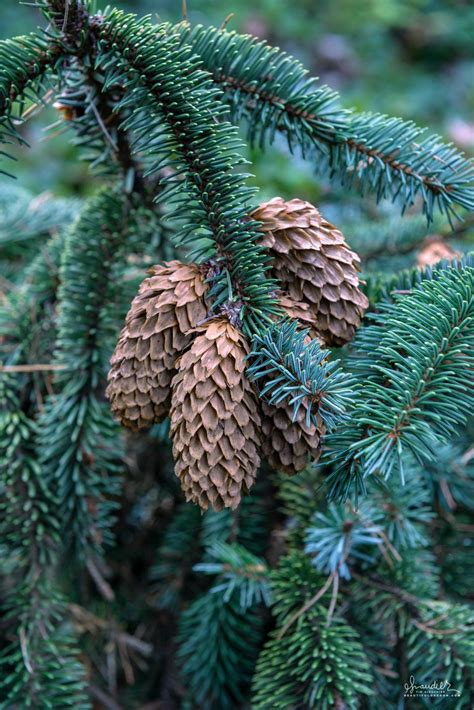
158 327
215 420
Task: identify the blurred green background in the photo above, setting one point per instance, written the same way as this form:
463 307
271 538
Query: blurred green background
410 58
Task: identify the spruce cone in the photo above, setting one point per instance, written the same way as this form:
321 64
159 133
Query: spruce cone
289 446
300 311
215 422
314 264
158 327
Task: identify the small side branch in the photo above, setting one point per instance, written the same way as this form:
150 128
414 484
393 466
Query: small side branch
34 367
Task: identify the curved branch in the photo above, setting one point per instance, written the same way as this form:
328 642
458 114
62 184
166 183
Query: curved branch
269 88
164 80
415 364
24 62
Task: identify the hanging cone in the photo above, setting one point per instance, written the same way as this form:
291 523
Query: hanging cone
289 446
314 264
158 327
300 311
215 422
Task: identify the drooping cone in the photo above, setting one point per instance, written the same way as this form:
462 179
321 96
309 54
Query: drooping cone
314 264
300 311
215 420
158 327
289 446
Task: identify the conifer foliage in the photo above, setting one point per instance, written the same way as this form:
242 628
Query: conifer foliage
235 465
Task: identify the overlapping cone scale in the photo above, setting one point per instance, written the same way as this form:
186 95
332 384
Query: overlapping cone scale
158 327
215 419
301 312
290 445
314 265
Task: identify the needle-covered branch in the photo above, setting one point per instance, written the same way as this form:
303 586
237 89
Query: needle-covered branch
415 369
272 93
288 368
25 63
79 448
176 118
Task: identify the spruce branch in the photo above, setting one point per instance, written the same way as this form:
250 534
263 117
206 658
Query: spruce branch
218 650
415 363
271 92
29 525
173 108
79 448
26 312
40 667
25 63
97 125
305 662
89 106
341 535
239 572
434 639
386 287
42 657
288 368
315 666
24 219
267 87
23 60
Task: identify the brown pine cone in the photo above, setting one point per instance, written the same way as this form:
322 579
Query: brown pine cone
215 420
289 446
158 327
300 311
314 264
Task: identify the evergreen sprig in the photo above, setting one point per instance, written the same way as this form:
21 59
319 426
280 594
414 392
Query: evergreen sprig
442 643
268 88
415 365
287 368
340 535
313 666
238 571
174 116
80 451
24 218
388 237
435 638
27 312
24 65
40 667
28 524
450 477
385 287
405 510
387 156
309 663
218 650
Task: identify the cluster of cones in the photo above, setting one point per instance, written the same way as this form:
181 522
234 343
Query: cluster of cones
173 358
